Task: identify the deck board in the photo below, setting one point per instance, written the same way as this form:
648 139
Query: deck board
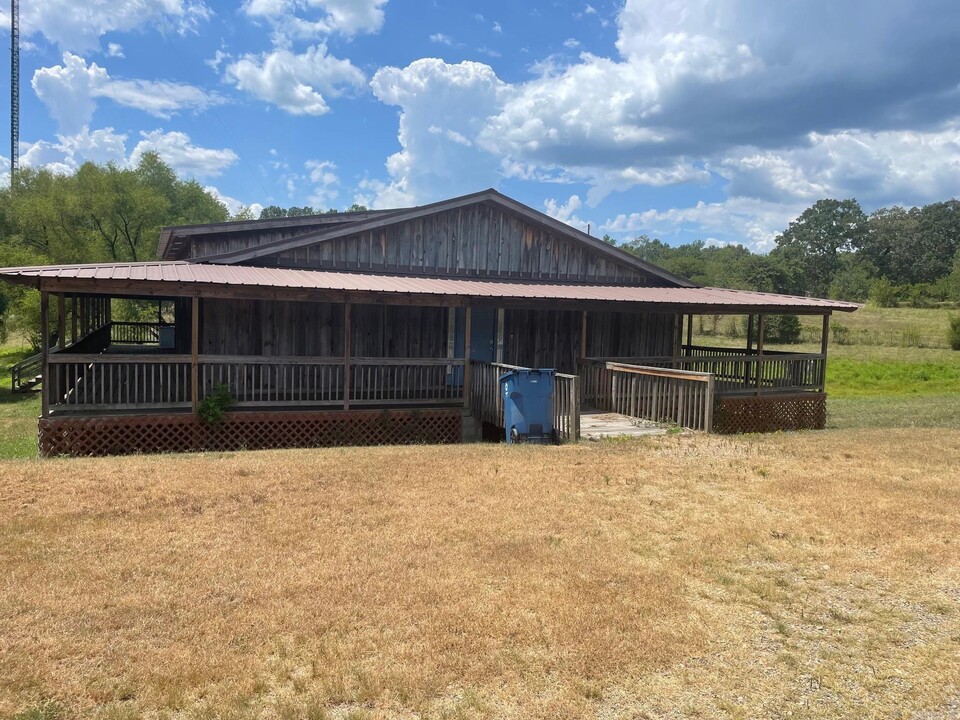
597 425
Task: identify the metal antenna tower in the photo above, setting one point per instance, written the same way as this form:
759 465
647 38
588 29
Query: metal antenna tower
14 88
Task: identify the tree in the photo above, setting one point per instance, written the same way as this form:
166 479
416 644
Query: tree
938 230
810 247
890 242
99 213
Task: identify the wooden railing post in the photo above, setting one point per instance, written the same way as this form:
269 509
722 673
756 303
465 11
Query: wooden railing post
583 335
575 407
824 338
711 399
61 321
760 329
195 354
73 319
467 365
346 356
47 387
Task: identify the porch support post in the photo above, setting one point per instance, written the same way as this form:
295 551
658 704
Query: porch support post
44 353
346 356
195 353
677 339
824 339
749 333
501 322
583 335
689 332
760 324
467 367
73 318
61 321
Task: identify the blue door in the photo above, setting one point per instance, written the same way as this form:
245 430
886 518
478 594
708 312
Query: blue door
483 338
483 334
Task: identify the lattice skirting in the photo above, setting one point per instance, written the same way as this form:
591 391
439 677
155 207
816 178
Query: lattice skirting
803 411
127 434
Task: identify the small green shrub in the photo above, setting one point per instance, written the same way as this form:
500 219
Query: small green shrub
840 333
782 329
917 296
953 334
215 405
883 293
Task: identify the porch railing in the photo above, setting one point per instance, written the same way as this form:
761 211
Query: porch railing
118 382
682 397
486 399
736 370
134 333
91 382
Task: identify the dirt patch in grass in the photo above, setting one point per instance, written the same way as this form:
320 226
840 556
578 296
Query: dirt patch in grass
813 574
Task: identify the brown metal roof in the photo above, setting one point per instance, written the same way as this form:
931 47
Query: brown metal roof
178 274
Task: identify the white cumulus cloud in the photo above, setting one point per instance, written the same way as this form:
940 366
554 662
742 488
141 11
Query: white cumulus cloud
70 92
315 19
103 145
296 83
443 111
78 26
182 155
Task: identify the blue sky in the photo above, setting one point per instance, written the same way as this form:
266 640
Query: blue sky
718 120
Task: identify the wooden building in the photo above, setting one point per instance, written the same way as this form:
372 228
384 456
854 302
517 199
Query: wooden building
393 326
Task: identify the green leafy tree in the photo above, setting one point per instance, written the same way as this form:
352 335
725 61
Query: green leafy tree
100 213
810 248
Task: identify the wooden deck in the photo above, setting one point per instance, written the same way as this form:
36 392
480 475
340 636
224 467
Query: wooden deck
597 424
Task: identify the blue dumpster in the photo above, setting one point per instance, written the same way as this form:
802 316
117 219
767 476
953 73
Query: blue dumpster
528 405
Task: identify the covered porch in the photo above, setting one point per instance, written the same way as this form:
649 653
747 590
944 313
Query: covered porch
388 352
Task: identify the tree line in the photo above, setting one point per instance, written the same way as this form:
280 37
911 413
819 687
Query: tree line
834 250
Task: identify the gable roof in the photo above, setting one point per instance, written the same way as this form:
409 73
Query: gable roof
380 219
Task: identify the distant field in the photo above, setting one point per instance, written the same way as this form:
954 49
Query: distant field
803 575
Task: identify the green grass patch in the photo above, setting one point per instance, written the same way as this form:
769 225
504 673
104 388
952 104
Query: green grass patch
848 377
18 411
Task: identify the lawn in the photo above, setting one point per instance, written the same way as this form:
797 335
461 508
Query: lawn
803 575
18 411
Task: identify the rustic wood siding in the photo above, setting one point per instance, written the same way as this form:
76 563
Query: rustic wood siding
623 334
551 338
203 246
260 327
477 240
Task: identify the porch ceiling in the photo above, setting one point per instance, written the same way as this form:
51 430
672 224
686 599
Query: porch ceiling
195 279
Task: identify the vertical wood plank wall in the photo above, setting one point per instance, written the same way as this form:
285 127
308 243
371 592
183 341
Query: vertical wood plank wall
553 338
261 327
476 240
532 338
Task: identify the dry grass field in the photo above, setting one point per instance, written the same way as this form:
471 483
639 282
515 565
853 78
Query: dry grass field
809 575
